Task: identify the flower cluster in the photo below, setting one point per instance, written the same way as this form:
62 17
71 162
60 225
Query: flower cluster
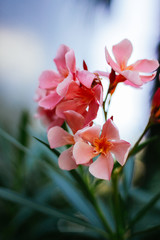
75 95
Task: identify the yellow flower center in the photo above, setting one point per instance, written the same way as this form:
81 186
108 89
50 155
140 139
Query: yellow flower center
101 145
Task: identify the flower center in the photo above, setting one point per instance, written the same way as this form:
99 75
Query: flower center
101 145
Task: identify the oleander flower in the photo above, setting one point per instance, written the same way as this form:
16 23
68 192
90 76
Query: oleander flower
83 100
103 144
58 137
155 109
130 74
58 82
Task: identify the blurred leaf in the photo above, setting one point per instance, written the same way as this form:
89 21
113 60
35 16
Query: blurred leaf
15 197
146 231
141 213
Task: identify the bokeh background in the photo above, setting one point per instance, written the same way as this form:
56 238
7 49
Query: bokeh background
30 34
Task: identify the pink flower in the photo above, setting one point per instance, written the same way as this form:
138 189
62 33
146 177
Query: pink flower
58 83
83 100
58 137
130 74
155 110
103 144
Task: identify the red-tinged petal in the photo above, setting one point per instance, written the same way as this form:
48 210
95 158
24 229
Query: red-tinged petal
102 167
111 62
86 78
89 133
60 60
66 160
98 93
110 131
132 76
120 150
145 65
82 152
71 61
49 79
92 111
148 78
50 101
58 137
70 105
56 122
74 120
62 87
122 52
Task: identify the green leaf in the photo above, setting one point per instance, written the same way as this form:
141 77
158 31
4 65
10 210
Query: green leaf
17 198
144 210
146 231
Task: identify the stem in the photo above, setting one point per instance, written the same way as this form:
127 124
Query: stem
117 208
108 96
140 138
94 202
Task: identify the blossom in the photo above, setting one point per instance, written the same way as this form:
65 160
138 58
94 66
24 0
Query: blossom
58 82
103 145
130 74
83 100
58 137
155 109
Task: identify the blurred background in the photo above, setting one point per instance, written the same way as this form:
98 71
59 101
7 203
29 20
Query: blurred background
30 34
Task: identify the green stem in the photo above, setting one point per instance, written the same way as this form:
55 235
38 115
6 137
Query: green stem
108 96
117 208
140 138
94 201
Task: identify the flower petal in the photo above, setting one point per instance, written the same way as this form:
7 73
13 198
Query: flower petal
74 120
66 160
86 78
132 76
89 133
49 79
71 61
58 137
111 62
122 52
92 111
60 60
102 167
110 131
50 101
148 78
62 87
82 152
120 149
145 65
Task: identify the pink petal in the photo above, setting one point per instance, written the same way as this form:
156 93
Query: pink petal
60 60
56 122
50 101
102 73
122 52
66 160
82 152
110 131
132 76
71 61
102 167
147 78
62 87
58 137
111 62
120 149
132 84
74 120
145 65
89 133
49 80
86 78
